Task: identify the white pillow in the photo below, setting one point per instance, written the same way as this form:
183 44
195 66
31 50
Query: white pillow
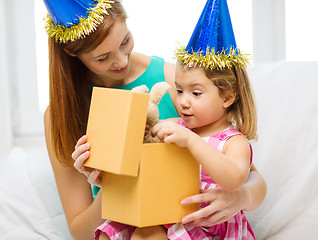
23 214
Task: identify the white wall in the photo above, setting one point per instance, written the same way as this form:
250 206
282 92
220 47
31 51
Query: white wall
5 115
21 67
269 31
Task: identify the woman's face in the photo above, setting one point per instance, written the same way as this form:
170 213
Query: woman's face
111 59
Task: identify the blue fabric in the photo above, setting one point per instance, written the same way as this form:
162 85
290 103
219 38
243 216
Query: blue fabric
154 74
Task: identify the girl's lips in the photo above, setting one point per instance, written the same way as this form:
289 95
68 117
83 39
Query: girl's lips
186 115
119 70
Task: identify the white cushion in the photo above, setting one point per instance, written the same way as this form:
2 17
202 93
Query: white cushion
287 151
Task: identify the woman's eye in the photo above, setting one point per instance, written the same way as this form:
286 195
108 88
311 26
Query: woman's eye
103 59
125 41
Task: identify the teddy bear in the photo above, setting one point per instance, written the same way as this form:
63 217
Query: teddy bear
156 93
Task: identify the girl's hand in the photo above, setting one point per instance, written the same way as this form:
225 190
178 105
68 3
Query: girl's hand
171 132
80 155
146 129
223 206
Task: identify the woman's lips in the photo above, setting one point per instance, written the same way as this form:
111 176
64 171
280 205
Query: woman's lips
119 70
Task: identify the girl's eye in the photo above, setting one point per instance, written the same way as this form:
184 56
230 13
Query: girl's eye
196 94
179 91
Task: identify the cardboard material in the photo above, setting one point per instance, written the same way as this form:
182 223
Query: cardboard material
115 130
167 174
143 184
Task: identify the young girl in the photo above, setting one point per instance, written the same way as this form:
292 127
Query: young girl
97 49
218 118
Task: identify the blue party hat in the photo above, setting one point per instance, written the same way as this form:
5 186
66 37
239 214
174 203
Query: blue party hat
212 44
69 20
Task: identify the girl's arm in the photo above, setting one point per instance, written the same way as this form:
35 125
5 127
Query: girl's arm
229 169
83 214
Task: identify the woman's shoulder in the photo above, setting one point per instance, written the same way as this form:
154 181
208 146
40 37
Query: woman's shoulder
144 60
140 59
47 117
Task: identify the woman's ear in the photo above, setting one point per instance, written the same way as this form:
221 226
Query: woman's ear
69 53
229 99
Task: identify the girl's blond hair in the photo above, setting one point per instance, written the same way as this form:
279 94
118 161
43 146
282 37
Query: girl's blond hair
242 113
70 88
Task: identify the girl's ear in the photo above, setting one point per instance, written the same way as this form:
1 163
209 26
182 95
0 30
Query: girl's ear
229 99
69 53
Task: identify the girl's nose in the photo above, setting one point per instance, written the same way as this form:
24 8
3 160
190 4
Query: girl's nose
184 102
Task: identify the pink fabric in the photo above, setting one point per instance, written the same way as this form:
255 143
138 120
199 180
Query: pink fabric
236 228
115 230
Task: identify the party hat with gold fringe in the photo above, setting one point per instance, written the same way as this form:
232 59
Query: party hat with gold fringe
212 44
69 20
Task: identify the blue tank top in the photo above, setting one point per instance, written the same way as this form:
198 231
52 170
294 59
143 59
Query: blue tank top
153 74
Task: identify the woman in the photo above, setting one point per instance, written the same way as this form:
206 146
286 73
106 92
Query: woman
102 56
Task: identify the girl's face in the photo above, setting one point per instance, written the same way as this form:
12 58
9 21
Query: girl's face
199 103
111 59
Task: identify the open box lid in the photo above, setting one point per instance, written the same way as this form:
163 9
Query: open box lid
115 130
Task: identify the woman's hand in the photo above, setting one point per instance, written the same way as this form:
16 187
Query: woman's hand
223 206
80 155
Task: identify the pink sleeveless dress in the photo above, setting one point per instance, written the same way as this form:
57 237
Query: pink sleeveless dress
235 228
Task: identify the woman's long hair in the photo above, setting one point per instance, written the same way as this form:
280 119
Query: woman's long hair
70 87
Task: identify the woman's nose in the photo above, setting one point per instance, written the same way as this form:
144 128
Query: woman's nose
121 60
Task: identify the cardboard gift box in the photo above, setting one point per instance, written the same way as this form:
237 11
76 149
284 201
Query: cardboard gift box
142 184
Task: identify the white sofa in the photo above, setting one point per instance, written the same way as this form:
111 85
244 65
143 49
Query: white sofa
287 151
30 207
286 154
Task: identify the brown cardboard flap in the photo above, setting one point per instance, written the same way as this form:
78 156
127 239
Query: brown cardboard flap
115 130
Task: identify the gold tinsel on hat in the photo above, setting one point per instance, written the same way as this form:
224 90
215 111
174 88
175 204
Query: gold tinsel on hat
85 26
212 60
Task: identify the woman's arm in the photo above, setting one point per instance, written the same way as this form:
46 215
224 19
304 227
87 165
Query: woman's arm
256 189
83 214
223 204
